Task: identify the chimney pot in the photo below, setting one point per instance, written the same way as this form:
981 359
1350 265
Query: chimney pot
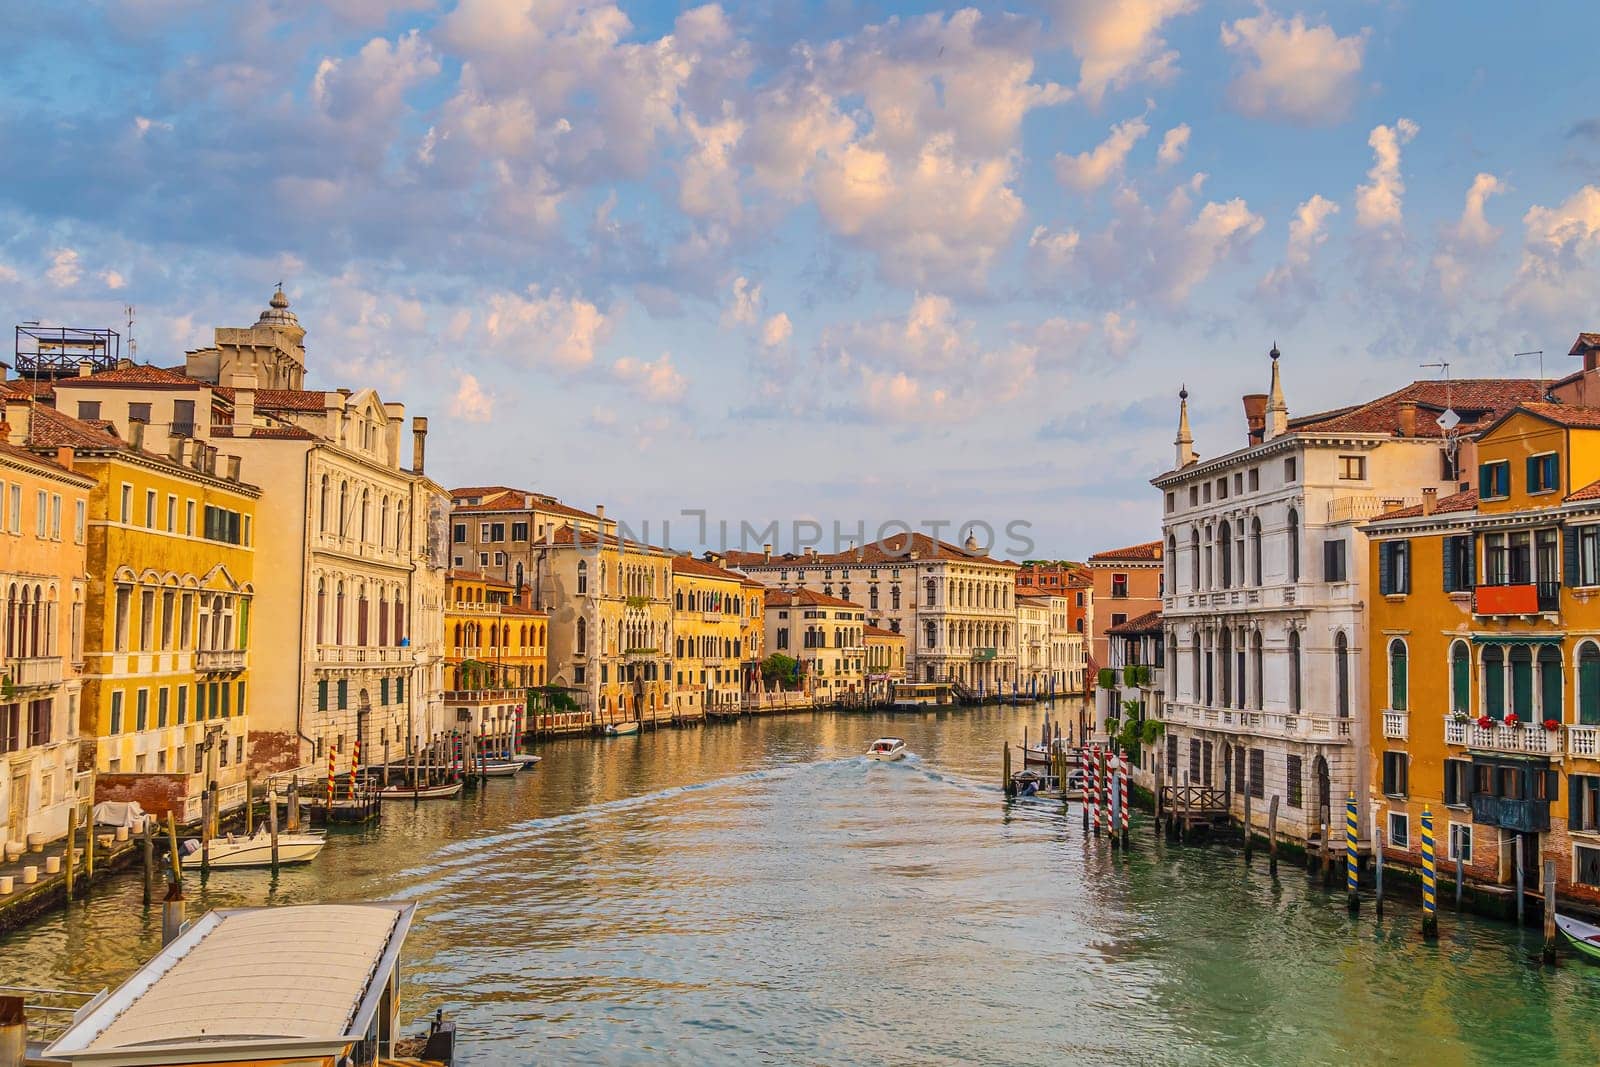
1255 416
600 512
1430 500
419 443
1392 503
136 435
175 449
1408 418
233 468
65 456
766 552
85 368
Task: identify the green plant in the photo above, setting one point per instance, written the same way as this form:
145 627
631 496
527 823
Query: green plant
1107 678
7 690
1113 724
1153 731
555 699
785 670
1143 675
1130 675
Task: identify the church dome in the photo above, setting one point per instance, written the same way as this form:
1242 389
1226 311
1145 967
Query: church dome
278 313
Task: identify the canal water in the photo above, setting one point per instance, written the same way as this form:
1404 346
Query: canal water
757 892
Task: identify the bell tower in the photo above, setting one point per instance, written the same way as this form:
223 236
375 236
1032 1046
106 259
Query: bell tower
273 350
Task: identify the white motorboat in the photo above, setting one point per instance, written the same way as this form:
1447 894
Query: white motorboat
620 729
528 762
500 768
887 749
439 791
237 850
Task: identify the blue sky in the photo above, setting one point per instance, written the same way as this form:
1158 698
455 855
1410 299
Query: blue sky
838 262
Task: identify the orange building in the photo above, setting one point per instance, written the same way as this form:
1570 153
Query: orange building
495 646
1126 583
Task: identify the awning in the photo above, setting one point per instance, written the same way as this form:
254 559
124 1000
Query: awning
1518 639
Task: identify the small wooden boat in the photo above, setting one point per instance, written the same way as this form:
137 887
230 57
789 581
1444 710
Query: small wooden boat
528 762
256 850
619 729
887 750
441 791
500 768
1581 936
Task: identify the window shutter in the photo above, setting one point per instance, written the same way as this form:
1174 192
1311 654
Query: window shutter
1575 805
1472 561
1533 474
1485 480
1328 564
1450 548
1384 568
1552 785
1569 555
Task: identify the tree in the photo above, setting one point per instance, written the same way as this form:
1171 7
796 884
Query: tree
785 670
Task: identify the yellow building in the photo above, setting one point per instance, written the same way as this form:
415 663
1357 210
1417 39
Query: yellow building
824 633
1484 687
167 624
494 652
43 578
753 632
709 620
886 662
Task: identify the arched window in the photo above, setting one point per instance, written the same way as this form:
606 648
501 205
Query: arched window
1494 681
931 587
894 598
1522 683
322 605
338 615
1225 559
583 636
1399 690
1294 545
322 510
1255 550
1550 699
1589 684
1194 560
1460 678
1170 565
1227 668
1257 669
583 577
1294 671
1341 671
872 598
344 509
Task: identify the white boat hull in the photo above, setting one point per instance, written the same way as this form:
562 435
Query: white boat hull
256 851
887 757
621 729
443 791
529 762
501 768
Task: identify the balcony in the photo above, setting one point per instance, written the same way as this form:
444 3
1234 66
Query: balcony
482 696
219 659
1301 727
34 672
1521 598
1396 724
1524 737
1583 741
1525 816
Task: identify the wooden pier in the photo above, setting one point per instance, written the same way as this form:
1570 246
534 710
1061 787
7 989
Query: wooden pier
1192 810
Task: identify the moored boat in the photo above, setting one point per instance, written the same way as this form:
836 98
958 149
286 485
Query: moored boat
528 762
1581 936
500 768
256 850
438 791
620 729
887 749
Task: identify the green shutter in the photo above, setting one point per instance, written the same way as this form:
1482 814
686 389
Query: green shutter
1486 480
1535 465
1589 690
1460 681
1384 551
1569 556
1450 548
1522 688
1397 676
1494 688
1550 689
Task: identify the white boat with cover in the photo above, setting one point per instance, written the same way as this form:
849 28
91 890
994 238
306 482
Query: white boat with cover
887 750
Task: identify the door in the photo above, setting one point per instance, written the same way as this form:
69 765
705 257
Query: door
1515 845
17 810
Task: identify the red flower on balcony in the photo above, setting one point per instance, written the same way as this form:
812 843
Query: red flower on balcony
1510 720
1484 722
1552 725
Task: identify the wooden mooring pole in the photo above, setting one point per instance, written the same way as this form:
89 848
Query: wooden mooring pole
1272 834
1249 826
272 823
149 864
1352 856
1430 880
72 846
1005 771
249 806
1549 911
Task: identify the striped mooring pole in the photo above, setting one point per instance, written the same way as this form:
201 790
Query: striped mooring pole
332 754
1083 779
355 762
1094 786
1430 880
1122 764
1108 782
1352 858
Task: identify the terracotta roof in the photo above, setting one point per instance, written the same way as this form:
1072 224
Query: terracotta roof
515 500
34 459
480 490
1584 342
1588 492
1041 600
690 565
896 548
291 399
1479 402
1569 415
143 374
1464 501
870 630
567 536
464 575
49 428
750 583
297 433
1148 552
783 598
1080 581
1148 623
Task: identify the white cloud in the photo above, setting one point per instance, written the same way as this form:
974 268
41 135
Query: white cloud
112 279
1557 272
1117 259
1378 203
708 181
898 396
1288 70
1467 242
777 330
744 309
369 88
8 274
471 402
64 270
659 382
1307 232
1473 228
1173 145
1121 333
553 330
1119 41
1092 169
1055 248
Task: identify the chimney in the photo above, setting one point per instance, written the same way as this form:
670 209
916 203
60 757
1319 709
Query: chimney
85 368
1255 416
1392 503
233 468
1430 500
600 512
136 435
1408 418
811 553
175 449
419 443
211 459
244 405
527 501
766 552
65 456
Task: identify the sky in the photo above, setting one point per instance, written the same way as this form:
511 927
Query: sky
837 263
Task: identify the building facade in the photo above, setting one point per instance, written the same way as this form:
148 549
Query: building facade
709 620
494 653
886 662
1125 583
1265 572
827 636
43 584
1484 692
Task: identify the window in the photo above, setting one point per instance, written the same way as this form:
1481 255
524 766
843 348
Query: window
1333 561
497 531
150 508
1294 671
1494 682
1222 488
1289 473
142 710
1588 538
1295 778
1194 495
460 535
1460 843
1258 773
1544 473
1586 865
1399 830
1458 563
519 531
1353 468
183 418
1550 687
126 510
1255 478
1294 542
1449 466
1394 774
1460 678
1341 672
1239 781
1583 815
583 577
183 704
88 410
139 413
1494 479
1398 687
1457 783
1171 496
1394 568
116 711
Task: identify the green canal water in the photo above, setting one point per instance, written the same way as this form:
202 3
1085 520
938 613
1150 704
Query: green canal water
757 892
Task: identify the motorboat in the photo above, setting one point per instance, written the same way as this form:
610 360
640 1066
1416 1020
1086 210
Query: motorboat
1581 936
438 791
528 762
255 850
499 768
887 749
620 729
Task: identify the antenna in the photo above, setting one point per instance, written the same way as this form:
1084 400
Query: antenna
1448 421
1535 352
133 345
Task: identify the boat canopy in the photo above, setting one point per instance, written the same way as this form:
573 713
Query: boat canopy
250 984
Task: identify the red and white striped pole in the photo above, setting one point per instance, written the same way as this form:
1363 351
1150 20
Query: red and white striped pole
1122 761
332 754
1108 768
355 762
1094 787
1083 782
